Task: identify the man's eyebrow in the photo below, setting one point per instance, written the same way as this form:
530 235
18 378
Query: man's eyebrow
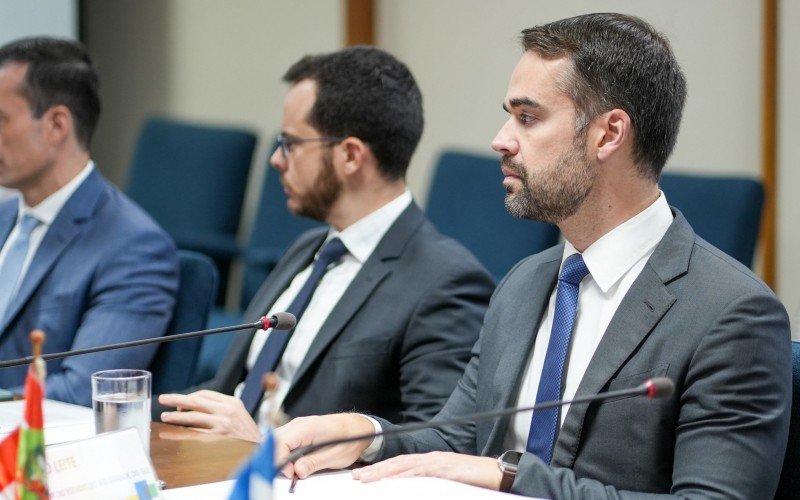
522 101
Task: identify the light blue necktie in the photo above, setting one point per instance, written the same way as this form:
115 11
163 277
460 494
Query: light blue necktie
273 348
12 265
544 423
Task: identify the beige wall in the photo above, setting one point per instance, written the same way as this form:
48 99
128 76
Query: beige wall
222 61
201 60
462 53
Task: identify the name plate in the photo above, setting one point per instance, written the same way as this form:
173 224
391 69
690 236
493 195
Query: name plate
109 465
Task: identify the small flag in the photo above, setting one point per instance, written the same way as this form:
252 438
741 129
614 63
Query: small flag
8 465
22 461
254 481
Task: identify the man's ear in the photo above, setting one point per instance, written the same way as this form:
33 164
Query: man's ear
354 153
58 124
609 133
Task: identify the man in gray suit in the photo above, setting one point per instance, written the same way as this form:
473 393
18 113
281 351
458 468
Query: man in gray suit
388 330
595 104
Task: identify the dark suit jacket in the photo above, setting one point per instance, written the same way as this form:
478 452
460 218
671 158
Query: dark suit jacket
104 273
399 338
694 315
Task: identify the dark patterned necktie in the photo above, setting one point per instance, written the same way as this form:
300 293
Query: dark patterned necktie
276 342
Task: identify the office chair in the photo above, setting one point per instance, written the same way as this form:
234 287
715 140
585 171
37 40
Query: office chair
174 363
191 179
466 203
725 211
274 229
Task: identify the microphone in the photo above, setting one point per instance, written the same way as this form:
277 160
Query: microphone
654 388
278 321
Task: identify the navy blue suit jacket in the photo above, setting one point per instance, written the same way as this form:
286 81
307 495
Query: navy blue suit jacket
104 272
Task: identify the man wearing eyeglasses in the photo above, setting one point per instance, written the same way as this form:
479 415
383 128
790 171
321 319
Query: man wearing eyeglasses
388 309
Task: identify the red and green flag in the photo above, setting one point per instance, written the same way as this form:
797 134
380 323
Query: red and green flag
22 460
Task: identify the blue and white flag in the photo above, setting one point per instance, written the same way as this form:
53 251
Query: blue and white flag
255 479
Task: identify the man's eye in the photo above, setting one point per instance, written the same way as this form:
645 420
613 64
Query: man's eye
526 119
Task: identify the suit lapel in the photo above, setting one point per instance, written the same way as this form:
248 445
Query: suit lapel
522 323
375 269
278 281
639 312
8 217
69 222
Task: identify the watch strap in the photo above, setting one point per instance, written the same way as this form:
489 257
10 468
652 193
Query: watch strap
507 481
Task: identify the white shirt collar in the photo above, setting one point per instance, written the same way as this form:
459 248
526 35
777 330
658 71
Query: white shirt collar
361 237
47 210
616 252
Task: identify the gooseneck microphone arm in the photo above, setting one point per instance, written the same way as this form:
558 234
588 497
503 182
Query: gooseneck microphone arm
279 321
655 388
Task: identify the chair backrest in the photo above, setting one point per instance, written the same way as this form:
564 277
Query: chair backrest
466 203
789 486
192 180
274 230
174 363
725 211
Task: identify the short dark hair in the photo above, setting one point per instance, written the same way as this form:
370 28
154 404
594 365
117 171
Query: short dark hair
366 93
619 62
59 72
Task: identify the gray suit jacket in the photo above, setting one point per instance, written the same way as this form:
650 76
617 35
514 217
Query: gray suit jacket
398 340
694 315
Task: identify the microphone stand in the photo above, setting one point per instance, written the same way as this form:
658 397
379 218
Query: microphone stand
261 323
656 388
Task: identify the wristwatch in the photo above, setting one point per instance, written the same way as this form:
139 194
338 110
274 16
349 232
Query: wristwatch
508 462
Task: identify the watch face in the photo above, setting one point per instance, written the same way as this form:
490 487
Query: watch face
510 459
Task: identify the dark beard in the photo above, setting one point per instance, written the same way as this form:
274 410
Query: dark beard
318 202
555 193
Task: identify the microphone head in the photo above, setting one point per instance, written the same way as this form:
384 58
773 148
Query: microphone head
659 388
284 321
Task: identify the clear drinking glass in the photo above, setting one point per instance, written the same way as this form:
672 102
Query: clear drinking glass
120 400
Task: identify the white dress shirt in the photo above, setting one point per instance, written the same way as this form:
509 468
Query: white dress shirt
46 212
360 239
614 261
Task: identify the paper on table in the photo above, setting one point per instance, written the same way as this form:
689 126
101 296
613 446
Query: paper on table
341 485
62 421
210 491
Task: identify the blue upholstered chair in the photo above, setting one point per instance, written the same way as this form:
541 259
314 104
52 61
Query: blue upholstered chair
466 203
725 211
192 179
274 229
789 486
174 364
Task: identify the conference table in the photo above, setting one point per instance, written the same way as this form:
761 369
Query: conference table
186 457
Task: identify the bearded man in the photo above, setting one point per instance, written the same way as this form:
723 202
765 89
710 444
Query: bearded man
594 105
388 309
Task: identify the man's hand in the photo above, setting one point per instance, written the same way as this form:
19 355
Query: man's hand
305 431
477 471
211 412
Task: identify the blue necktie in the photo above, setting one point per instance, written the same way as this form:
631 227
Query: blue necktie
544 423
15 257
276 342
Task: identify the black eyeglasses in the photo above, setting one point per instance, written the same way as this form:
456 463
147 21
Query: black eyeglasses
285 142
